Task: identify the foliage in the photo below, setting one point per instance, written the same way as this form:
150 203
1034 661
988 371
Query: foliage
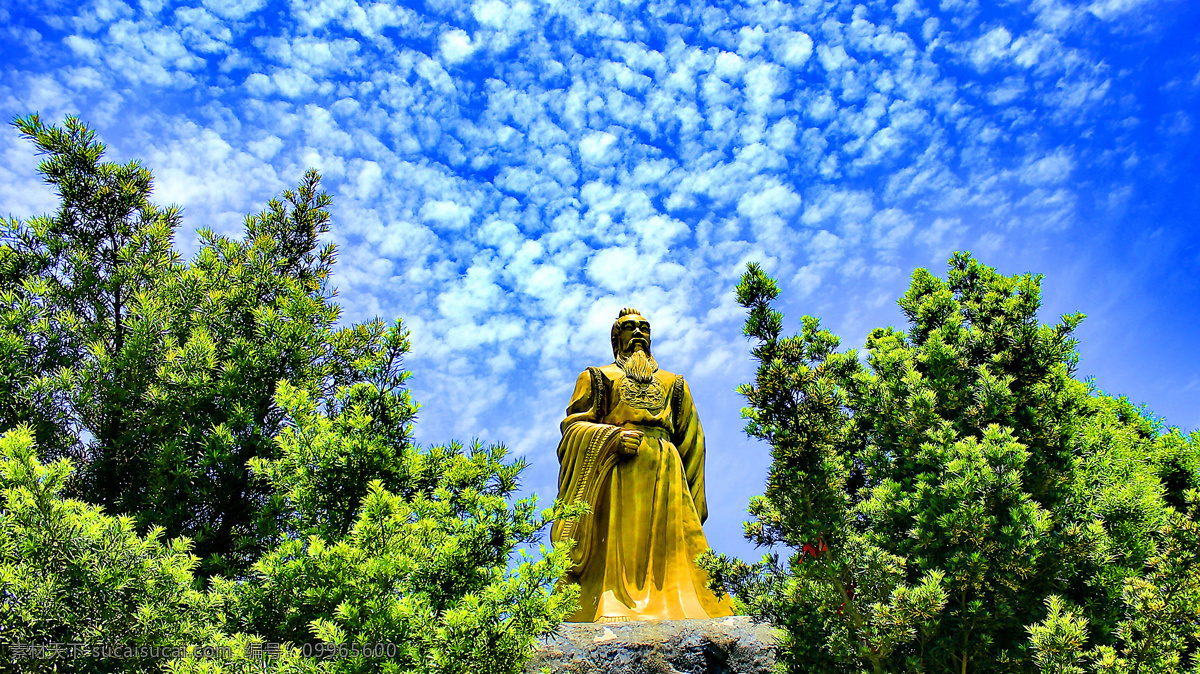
954 489
69 573
214 400
425 572
423 565
159 377
1159 630
70 283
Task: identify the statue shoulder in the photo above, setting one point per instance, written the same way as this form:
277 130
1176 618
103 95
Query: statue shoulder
612 371
609 371
597 382
667 378
602 375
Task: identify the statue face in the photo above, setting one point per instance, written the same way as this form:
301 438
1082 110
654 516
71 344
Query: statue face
634 333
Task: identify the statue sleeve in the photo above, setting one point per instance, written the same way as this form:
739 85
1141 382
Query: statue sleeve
585 458
689 440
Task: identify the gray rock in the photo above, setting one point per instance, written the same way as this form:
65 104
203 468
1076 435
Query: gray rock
733 645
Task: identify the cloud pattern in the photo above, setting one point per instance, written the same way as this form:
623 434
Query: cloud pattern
508 174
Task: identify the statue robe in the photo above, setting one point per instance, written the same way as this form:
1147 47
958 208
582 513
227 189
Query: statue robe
633 556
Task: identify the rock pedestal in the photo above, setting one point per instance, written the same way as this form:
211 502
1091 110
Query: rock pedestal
732 645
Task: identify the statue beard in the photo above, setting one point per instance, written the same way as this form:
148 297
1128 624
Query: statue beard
638 366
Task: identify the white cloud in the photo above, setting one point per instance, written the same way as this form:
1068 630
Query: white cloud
146 54
203 31
22 194
906 9
1050 170
470 297
792 49
763 84
293 82
369 179
456 46
728 66
777 200
822 108
82 46
1176 123
825 248
447 214
991 47
1113 9
491 13
598 148
437 77
84 78
259 84
940 233
266 148
233 9
404 240
891 227
618 268
1007 91
545 282
805 281
659 232
750 40
833 58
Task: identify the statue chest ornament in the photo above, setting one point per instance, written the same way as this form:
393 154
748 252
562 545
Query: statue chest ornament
650 395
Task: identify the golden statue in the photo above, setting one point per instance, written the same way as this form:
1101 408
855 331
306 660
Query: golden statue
633 449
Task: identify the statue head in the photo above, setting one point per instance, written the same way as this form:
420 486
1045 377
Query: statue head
630 332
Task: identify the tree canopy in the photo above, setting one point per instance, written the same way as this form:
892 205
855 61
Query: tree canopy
956 500
195 451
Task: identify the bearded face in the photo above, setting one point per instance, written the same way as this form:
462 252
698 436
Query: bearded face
633 348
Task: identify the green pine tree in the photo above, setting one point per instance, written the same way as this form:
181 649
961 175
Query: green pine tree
417 559
159 377
70 574
938 493
213 403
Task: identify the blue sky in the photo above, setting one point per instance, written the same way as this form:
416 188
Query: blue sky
507 175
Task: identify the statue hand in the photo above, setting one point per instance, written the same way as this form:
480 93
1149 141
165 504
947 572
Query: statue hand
630 440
